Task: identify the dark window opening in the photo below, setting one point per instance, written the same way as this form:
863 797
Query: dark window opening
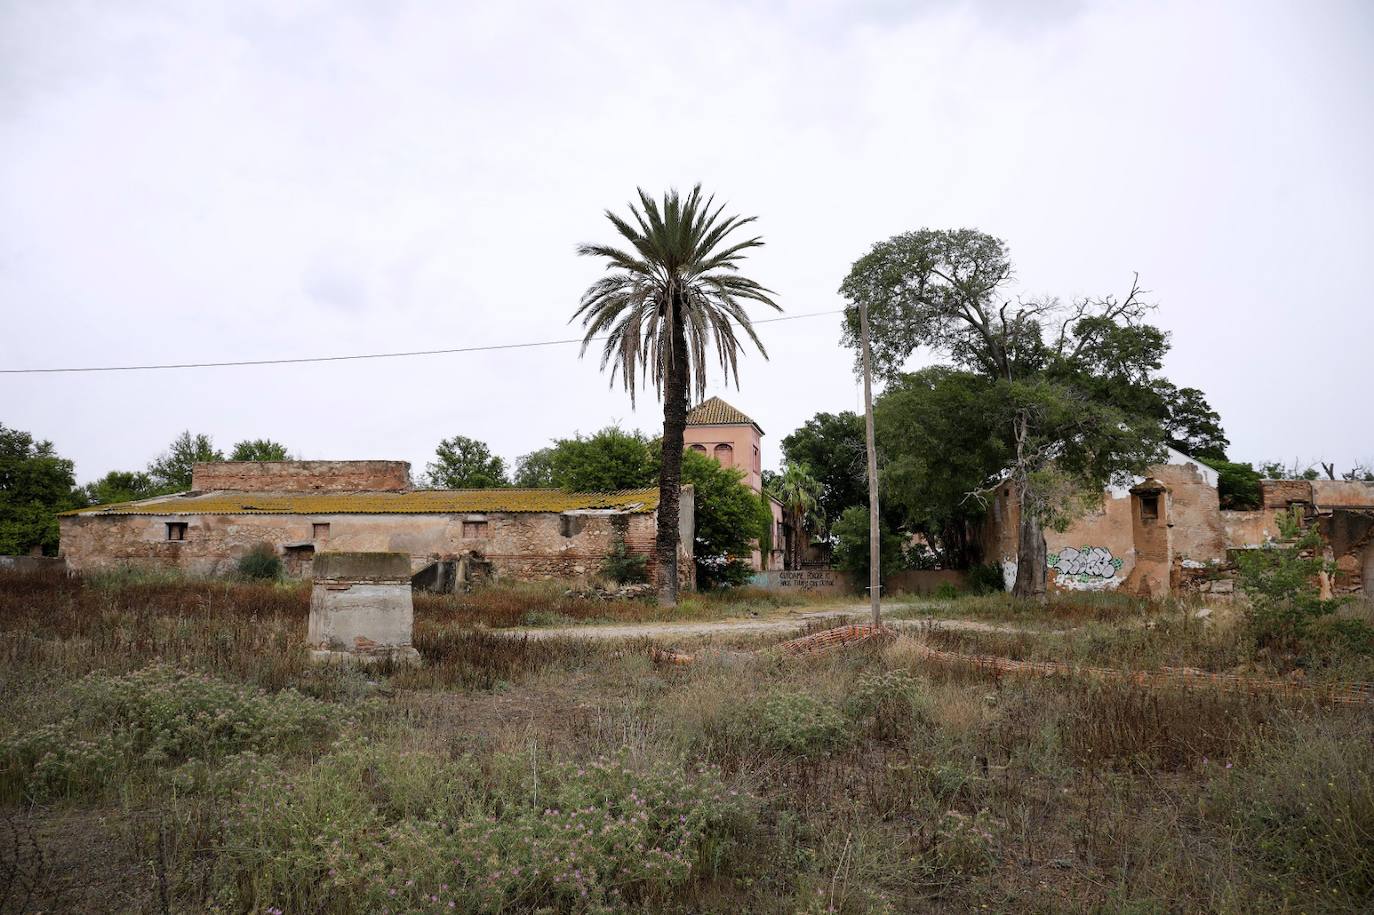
474 528
1149 508
569 525
176 530
319 530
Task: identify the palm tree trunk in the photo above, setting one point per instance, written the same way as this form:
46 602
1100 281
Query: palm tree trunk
798 539
670 476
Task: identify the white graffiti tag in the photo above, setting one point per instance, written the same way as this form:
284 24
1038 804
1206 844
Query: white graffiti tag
1089 562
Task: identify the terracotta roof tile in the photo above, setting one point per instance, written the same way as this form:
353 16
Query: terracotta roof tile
415 502
715 412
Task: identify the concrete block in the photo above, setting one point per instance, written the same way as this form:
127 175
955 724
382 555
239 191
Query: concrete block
362 566
361 608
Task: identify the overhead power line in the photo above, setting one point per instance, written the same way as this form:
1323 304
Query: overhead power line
349 358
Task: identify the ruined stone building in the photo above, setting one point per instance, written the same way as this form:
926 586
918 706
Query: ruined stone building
1167 531
300 508
718 430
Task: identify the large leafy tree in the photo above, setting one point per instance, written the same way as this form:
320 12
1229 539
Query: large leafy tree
171 471
947 290
832 446
258 449
609 460
120 486
535 470
730 517
800 494
35 484
852 538
670 296
942 433
465 463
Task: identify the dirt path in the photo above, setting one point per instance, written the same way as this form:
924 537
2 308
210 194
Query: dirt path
742 626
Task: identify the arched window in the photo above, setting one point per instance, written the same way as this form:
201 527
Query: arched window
725 455
699 449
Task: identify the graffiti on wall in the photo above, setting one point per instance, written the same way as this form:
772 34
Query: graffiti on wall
1085 565
802 580
807 579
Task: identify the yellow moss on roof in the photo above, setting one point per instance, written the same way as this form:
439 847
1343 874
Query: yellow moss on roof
416 502
715 412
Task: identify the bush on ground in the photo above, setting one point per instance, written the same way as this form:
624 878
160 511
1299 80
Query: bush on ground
624 567
419 832
260 563
156 719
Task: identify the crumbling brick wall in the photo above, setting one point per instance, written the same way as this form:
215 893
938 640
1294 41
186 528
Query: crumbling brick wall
520 545
1281 493
302 476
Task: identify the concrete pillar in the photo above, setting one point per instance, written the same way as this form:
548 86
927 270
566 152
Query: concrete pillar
360 608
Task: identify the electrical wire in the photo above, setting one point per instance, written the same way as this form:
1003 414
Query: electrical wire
348 358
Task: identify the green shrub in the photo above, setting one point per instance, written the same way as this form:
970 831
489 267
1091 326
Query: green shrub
1238 485
624 567
946 591
986 579
394 831
793 724
1281 584
723 572
962 846
891 705
261 563
157 720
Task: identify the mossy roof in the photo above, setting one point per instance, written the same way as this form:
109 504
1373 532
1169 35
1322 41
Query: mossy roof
415 502
715 412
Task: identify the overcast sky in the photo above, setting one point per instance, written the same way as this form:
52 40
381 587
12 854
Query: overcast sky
187 182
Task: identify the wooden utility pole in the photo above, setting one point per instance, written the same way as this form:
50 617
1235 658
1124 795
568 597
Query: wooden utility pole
874 543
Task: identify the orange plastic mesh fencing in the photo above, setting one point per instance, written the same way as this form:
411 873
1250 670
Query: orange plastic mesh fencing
1166 678
838 637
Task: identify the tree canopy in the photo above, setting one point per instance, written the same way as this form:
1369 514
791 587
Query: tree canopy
729 517
465 463
1074 385
121 486
800 494
611 459
171 471
35 484
942 434
831 445
259 449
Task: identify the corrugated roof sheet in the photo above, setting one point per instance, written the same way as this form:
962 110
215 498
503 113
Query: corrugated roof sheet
416 502
715 412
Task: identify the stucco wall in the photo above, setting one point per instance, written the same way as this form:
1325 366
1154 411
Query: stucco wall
302 476
1329 494
519 545
744 441
1248 529
1099 551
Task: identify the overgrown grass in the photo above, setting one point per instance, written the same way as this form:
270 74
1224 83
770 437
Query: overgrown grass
1063 607
513 774
510 604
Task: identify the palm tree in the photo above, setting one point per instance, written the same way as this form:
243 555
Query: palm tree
675 292
800 495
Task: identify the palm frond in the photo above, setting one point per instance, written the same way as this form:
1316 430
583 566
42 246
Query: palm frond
675 275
